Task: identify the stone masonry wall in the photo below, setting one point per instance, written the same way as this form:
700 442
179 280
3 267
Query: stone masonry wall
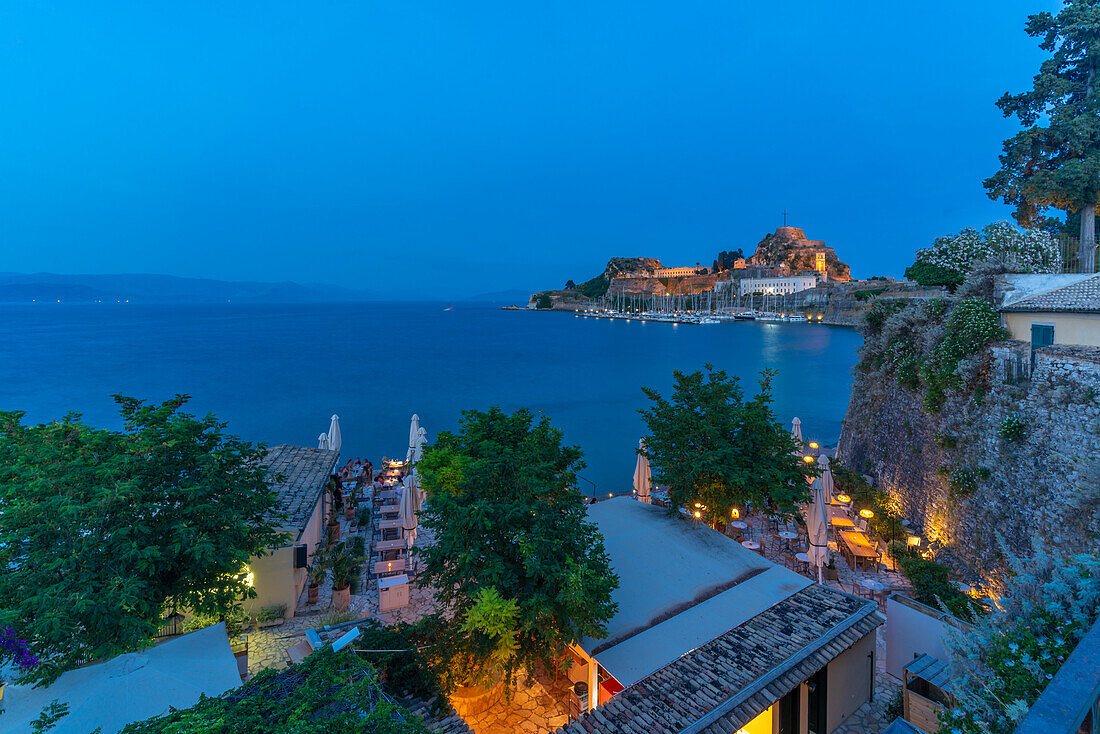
1041 489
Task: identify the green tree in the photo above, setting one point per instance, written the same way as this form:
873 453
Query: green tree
507 517
710 446
1055 160
102 531
542 301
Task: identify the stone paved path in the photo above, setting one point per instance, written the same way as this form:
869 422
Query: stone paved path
537 708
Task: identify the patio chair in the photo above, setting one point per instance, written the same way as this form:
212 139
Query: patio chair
861 526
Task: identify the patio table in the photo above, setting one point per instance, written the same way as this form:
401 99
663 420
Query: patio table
842 523
389 545
395 566
787 537
390 524
859 548
751 545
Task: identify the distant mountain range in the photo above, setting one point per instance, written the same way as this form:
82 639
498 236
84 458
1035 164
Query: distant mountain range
28 287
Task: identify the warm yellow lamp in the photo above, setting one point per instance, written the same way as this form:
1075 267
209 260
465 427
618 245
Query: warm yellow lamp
808 459
697 515
813 445
868 514
913 541
843 498
735 513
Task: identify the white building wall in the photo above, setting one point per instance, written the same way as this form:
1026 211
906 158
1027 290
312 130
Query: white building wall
780 286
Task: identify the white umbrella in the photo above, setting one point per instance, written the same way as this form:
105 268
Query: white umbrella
414 432
418 447
796 430
334 439
817 528
642 475
322 441
406 510
826 477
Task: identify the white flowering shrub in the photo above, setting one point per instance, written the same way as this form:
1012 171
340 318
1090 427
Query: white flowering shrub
1022 250
1000 668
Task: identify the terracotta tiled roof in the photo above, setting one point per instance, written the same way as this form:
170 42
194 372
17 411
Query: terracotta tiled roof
724 684
305 472
1081 296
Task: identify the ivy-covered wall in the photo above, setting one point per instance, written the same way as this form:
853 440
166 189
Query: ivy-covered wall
1010 450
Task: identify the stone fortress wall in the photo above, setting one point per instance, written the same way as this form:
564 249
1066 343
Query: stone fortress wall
1040 489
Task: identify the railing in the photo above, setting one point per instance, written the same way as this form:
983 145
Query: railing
1072 262
1068 705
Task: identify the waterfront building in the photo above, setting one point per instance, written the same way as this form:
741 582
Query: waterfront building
710 636
780 285
676 272
1051 309
280 576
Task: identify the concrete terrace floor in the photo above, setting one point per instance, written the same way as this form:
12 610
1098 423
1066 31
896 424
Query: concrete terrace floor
540 706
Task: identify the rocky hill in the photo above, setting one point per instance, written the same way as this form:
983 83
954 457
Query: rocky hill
789 246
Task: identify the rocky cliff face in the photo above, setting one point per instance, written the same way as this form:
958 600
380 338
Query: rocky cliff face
963 475
788 245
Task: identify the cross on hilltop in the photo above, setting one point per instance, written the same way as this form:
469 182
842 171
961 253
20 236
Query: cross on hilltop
785 213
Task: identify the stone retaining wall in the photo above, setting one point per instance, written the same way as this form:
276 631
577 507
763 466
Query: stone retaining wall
1042 488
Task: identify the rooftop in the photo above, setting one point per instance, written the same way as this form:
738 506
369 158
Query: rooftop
1068 293
305 472
724 684
681 585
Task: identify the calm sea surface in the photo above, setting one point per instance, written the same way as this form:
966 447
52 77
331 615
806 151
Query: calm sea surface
276 373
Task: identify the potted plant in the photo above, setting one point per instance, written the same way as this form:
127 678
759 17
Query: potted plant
316 573
344 566
333 528
14 650
831 574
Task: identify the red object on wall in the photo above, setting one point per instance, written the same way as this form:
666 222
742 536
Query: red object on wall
608 689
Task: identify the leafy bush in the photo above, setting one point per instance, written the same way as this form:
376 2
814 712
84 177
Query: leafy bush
932 584
1023 251
1012 428
972 325
880 311
271 613
963 481
327 693
1002 665
235 622
596 287
928 274
868 294
542 302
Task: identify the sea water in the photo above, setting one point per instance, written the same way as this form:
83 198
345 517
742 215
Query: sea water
277 373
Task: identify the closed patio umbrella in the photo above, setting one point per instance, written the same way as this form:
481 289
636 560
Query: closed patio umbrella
322 441
827 477
796 430
414 431
817 528
418 447
406 510
642 475
334 439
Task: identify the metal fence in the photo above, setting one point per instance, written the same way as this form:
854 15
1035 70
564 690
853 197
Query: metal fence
1072 260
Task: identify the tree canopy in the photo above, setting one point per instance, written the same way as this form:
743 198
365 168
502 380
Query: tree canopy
710 446
1055 160
102 531
515 558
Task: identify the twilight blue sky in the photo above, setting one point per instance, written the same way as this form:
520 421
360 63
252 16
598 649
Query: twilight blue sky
453 147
